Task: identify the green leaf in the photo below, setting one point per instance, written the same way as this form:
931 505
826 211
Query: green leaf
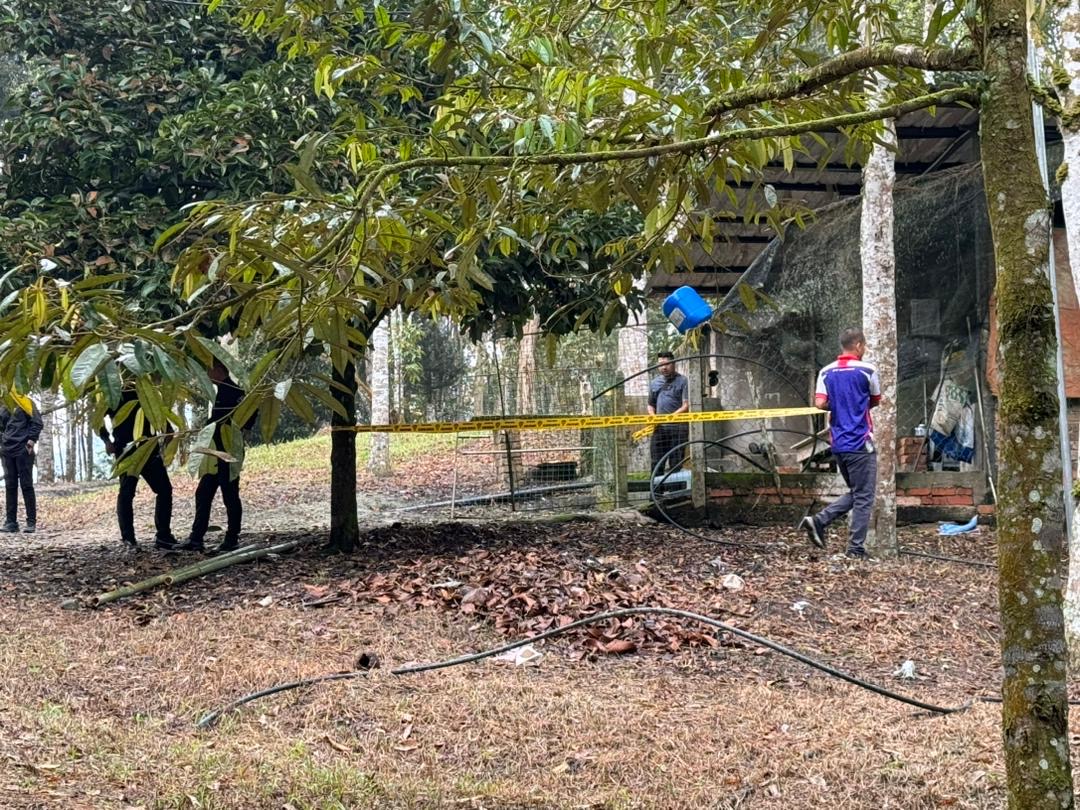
327 399
173 230
151 403
48 371
87 365
299 404
246 409
133 462
940 20
234 366
547 128
109 382
551 347
125 411
747 297
268 418
167 366
168 452
261 366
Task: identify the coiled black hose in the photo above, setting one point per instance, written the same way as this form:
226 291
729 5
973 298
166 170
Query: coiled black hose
211 718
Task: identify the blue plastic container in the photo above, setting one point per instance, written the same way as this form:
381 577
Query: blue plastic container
686 309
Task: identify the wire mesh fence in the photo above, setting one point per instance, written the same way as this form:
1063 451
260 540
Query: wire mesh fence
812 285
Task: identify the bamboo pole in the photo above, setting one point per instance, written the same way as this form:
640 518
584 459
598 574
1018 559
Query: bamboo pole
194 570
224 561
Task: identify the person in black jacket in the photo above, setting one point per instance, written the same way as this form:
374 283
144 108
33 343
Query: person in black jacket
223 435
20 427
120 444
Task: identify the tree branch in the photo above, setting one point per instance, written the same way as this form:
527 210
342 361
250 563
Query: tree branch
832 70
965 94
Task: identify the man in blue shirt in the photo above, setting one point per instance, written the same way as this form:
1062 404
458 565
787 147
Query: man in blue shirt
668 393
848 388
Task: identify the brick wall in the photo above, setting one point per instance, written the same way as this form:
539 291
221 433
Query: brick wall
921 496
935 496
911 454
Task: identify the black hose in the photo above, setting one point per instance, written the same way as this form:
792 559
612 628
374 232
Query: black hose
210 719
812 436
653 484
685 614
980 563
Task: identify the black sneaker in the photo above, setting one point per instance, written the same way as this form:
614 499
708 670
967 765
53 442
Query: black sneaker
192 545
809 525
10 528
856 554
165 543
130 545
30 528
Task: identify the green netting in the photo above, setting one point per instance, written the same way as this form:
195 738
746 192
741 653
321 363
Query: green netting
944 278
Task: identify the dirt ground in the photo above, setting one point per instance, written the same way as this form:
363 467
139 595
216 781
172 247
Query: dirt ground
98 707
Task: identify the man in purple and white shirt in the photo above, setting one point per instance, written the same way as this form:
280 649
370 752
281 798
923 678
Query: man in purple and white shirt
848 388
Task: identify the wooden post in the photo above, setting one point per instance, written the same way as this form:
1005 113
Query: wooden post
696 377
621 445
605 450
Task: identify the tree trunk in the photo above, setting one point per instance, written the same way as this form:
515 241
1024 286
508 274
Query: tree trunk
526 400
379 457
634 355
46 453
344 525
879 325
89 450
1069 22
72 442
398 378
1030 510
480 378
1069 172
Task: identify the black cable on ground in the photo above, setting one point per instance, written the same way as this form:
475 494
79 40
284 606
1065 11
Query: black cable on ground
210 719
653 484
979 563
684 614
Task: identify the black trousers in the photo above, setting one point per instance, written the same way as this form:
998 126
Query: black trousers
664 438
209 484
19 472
157 478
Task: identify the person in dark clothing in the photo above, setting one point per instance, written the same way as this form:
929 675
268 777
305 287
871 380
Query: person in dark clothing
119 445
20 427
848 388
668 393
222 435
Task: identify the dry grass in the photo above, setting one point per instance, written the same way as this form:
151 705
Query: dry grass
99 712
98 709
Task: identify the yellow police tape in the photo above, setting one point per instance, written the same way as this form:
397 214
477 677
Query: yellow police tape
564 422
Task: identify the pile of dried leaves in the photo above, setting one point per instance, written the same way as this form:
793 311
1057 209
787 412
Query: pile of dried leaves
523 591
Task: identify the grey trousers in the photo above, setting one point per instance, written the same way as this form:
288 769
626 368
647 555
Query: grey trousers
859 471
